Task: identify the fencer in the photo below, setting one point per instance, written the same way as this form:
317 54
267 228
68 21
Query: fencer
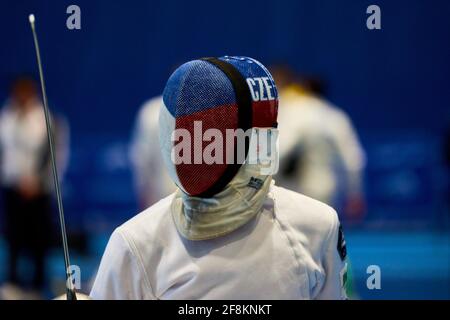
228 232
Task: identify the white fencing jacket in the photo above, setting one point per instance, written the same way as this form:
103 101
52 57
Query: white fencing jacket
288 251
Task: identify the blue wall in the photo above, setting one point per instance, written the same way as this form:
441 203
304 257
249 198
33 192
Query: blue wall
395 78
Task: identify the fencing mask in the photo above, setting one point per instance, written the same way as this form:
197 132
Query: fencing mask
213 113
218 138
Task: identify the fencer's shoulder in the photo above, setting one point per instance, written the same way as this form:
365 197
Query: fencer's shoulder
149 223
305 214
295 200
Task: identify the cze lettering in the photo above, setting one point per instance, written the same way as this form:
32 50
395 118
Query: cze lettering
260 88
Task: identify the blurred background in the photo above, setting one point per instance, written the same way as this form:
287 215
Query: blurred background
372 136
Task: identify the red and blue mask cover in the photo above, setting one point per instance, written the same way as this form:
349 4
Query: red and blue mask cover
213 93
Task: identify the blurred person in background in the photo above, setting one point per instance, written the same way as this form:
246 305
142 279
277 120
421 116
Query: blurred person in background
151 179
26 185
320 154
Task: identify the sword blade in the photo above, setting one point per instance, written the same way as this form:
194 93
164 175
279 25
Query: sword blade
70 290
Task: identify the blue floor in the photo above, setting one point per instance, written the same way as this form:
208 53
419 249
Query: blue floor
414 265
